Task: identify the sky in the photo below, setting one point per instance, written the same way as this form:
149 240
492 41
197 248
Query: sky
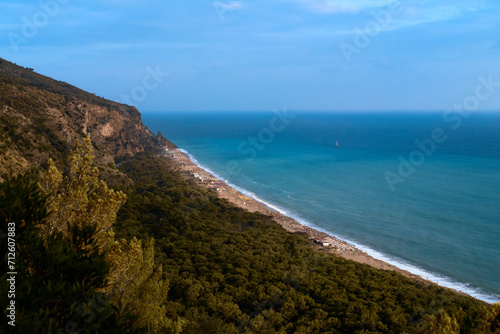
232 55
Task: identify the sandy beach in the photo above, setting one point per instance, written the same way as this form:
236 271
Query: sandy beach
319 240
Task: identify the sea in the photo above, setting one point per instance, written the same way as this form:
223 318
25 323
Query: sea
420 190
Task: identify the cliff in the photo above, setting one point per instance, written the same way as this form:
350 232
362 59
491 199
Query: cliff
41 117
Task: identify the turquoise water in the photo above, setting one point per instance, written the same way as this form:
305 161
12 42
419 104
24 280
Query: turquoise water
421 191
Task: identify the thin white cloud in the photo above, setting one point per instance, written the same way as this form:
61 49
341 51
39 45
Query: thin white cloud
445 8
228 5
342 6
414 16
418 15
221 7
232 6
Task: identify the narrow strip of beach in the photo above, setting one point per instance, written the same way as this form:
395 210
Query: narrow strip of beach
320 240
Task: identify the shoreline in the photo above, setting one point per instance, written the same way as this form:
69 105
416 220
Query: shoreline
319 240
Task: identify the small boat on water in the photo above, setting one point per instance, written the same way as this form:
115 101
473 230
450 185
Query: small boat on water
337 144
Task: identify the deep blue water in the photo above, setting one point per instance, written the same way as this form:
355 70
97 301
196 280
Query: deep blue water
419 190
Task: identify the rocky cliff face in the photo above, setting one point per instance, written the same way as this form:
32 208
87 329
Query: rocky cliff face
41 118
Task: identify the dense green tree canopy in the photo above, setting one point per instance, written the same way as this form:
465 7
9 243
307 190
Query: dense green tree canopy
232 271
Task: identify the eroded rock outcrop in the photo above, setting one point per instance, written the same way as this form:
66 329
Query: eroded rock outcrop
41 117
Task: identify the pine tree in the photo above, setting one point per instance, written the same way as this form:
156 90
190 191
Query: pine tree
491 322
442 323
80 198
58 276
134 284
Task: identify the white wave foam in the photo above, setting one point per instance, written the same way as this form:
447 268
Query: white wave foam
433 277
258 199
401 264
241 190
197 163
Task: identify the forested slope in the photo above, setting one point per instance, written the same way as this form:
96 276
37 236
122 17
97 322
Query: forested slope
232 271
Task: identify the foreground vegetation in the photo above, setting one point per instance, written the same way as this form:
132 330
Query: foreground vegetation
179 259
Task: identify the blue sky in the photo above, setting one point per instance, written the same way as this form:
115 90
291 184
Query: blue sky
261 55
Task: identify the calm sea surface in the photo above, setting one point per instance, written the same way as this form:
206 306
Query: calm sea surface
419 190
